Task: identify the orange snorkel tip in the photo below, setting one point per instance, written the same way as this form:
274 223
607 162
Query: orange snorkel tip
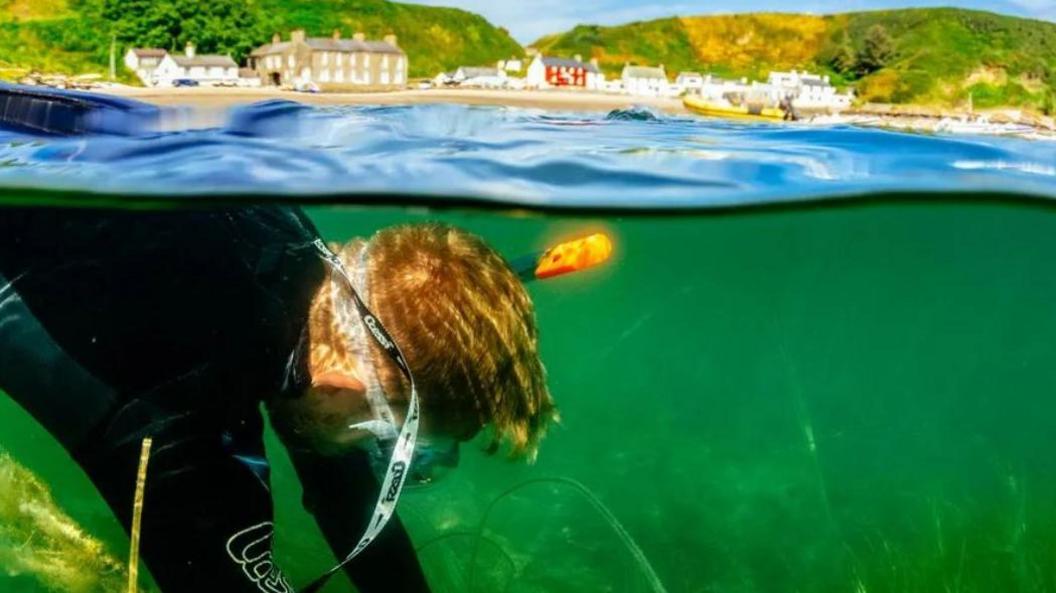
565 258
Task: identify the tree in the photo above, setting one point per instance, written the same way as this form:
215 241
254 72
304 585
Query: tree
224 26
877 51
845 59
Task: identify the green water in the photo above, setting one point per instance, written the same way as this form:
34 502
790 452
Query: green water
827 399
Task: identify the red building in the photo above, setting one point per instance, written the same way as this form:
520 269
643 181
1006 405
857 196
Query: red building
560 72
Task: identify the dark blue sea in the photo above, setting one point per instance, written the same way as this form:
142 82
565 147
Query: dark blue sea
630 158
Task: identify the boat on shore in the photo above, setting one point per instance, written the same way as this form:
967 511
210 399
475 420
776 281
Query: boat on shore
702 106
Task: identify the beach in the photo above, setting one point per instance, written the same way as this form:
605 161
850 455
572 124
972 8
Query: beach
562 100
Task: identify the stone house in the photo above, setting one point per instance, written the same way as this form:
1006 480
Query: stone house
331 61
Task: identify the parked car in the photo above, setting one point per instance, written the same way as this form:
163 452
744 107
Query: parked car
184 82
306 87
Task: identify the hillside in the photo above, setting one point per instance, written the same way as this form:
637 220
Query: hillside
73 36
929 56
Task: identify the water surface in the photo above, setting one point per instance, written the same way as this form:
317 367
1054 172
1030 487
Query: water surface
628 159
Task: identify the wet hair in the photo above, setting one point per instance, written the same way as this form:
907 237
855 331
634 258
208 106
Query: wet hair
467 326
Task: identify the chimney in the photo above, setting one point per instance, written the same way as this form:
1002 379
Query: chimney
297 36
391 40
359 36
336 34
594 62
578 57
189 50
276 39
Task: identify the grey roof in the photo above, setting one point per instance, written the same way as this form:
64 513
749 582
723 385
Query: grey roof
149 52
814 82
331 44
477 72
205 60
271 48
382 47
566 63
643 72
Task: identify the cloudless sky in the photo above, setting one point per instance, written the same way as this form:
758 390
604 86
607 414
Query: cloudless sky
528 20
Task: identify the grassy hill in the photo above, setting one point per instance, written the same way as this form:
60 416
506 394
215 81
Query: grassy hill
929 56
434 38
73 36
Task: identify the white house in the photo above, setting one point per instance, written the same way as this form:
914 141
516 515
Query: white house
490 78
806 91
645 81
204 69
691 82
716 89
512 65
144 61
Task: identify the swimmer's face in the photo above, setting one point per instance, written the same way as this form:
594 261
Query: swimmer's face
321 416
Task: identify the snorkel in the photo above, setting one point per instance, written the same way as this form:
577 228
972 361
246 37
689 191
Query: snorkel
396 445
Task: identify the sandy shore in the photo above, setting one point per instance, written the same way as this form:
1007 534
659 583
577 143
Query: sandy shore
556 100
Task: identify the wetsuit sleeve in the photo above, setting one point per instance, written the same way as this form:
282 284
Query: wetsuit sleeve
340 491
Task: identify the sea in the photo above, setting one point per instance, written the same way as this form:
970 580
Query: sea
820 360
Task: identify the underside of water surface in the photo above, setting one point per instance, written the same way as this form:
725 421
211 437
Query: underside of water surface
848 396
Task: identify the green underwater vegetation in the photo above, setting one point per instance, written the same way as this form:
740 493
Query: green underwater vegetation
839 397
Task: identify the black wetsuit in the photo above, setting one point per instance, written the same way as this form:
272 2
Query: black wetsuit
117 324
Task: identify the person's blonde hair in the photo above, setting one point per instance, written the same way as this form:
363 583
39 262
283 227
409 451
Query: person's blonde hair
466 325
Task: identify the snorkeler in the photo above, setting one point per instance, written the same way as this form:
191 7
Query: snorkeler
116 325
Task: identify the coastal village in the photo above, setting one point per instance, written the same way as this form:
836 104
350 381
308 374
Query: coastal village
347 64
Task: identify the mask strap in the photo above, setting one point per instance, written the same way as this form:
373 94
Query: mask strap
392 485
379 404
